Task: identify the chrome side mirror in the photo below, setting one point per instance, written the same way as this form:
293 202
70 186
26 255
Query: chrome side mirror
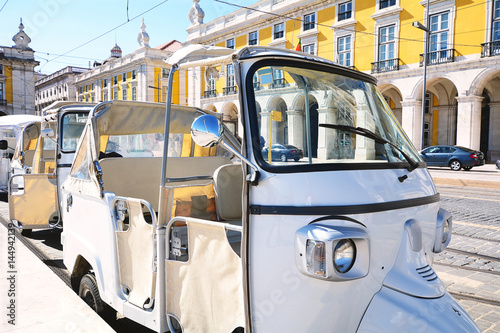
47 133
206 131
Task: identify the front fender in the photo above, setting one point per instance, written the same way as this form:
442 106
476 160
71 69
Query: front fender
393 311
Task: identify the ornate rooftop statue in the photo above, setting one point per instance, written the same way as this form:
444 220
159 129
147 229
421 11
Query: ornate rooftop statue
143 38
196 14
21 38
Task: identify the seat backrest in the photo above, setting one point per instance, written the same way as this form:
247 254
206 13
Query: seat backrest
228 186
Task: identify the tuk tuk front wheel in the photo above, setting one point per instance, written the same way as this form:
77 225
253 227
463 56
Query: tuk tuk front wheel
26 232
90 294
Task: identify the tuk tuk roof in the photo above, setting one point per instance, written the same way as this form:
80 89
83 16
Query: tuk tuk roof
196 55
18 120
60 106
130 117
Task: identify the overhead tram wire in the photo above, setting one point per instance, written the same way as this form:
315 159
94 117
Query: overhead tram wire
347 29
4 5
105 33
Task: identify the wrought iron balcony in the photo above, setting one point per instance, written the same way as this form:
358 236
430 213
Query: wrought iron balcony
490 49
385 66
278 83
209 93
229 90
438 57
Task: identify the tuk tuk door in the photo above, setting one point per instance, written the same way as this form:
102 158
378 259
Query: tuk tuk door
32 201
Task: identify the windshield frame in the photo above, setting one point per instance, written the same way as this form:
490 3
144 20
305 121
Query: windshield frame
283 61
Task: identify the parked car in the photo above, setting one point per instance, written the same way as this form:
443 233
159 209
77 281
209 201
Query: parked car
455 157
283 153
498 164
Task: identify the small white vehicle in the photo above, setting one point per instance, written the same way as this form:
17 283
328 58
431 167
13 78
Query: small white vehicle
41 163
12 128
214 237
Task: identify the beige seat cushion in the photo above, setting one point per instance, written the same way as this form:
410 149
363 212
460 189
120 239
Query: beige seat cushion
228 185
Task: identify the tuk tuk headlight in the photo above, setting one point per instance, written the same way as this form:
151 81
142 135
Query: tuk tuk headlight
444 227
344 255
332 252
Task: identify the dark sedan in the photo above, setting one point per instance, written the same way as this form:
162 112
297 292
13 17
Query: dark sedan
455 157
283 153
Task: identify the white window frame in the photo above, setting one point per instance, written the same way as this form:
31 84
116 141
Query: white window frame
274 30
308 46
230 43
440 6
134 93
338 9
385 19
439 32
305 21
115 94
230 78
124 77
380 43
124 94
104 95
256 32
351 50
2 91
388 7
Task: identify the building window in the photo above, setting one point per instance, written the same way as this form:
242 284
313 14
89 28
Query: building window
1 69
278 79
309 21
134 74
93 86
92 99
115 94
252 38
1 92
386 43
308 49
124 77
105 96
124 94
438 43
279 30
81 90
134 93
230 43
115 79
230 82
345 11
165 73
344 51
387 3
105 83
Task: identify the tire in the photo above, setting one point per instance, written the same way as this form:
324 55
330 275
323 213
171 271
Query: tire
296 159
26 232
455 165
89 292
283 158
467 168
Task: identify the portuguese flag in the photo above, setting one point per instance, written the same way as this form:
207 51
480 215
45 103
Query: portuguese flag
299 46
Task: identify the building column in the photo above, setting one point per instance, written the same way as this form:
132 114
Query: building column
469 121
494 135
296 119
327 137
412 121
264 126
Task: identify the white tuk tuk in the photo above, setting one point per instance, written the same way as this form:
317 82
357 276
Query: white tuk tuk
41 163
215 237
11 129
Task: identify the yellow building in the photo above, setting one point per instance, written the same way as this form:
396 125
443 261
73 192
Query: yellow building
462 102
17 83
139 76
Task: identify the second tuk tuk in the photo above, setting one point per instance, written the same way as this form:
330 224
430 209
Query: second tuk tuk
41 163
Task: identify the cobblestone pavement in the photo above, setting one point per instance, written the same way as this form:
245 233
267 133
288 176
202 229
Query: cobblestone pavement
470 267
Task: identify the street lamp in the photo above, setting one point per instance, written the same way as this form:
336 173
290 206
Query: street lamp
420 26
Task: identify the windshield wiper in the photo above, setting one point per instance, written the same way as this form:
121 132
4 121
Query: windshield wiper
369 134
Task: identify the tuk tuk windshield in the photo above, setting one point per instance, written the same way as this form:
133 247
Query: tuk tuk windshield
313 117
71 130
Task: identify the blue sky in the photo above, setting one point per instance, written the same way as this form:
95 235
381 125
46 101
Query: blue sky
58 26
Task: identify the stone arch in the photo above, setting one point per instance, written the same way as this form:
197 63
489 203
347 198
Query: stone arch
298 132
394 98
230 116
211 107
487 85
